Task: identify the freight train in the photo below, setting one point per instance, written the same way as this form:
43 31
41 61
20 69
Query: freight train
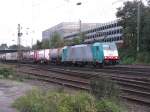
96 54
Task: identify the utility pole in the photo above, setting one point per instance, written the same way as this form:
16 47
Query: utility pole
32 44
19 45
80 26
138 25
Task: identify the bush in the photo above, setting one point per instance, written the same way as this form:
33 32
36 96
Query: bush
38 101
6 72
81 102
143 57
103 87
127 56
108 106
128 60
35 101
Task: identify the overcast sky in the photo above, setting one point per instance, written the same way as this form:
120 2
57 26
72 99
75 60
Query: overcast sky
38 15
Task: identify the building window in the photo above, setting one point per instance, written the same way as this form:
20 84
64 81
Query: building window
100 28
109 25
118 31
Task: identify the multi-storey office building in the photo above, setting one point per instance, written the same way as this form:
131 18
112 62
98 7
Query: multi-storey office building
62 29
106 32
65 28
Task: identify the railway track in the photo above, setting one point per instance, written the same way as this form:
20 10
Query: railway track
133 87
119 70
62 79
107 69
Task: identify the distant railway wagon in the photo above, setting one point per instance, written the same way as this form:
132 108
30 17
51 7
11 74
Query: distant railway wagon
3 57
47 55
55 55
28 56
42 56
94 54
25 55
11 56
39 56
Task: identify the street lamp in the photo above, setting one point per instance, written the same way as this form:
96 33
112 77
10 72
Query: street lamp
19 45
78 3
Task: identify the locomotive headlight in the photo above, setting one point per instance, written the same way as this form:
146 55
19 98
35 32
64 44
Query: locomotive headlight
116 57
106 57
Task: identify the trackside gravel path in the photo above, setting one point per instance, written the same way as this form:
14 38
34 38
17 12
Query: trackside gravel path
9 91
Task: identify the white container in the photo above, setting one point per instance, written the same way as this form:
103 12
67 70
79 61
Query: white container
11 56
40 54
47 54
26 55
53 53
32 55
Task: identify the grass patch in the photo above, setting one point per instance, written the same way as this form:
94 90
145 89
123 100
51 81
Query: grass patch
106 105
39 101
10 72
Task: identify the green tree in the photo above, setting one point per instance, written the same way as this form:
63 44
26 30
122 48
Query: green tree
38 45
82 37
3 46
128 20
145 33
67 42
45 44
56 41
15 47
76 40
128 16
